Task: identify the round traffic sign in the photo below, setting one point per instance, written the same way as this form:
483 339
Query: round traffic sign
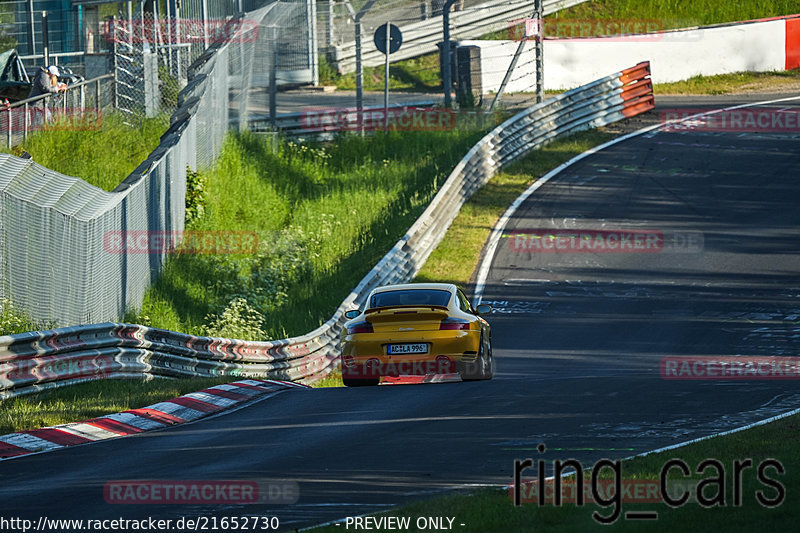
395 38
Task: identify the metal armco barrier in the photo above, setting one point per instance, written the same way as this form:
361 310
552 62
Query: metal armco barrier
34 361
422 37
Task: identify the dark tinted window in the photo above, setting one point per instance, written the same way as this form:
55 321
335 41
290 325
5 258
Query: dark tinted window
410 297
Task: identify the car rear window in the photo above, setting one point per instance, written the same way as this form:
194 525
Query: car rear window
410 297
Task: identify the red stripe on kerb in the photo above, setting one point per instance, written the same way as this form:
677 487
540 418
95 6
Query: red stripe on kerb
197 405
158 416
113 426
222 393
792 43
9 450
251 387
58 436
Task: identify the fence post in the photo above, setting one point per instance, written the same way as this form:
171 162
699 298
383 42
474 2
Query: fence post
330 23
273 82
204 11
31 31
359 80
8 114
446 79
359 70
45 40
313 48
538 14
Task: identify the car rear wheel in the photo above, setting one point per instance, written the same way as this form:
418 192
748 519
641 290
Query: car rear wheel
483 366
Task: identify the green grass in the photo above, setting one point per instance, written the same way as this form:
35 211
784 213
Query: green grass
456 257
92 399
419 74
13 320
422 74
732 83
103 157
671 14
324 216
491 510
334 379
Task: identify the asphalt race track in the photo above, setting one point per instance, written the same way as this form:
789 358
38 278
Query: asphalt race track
578 338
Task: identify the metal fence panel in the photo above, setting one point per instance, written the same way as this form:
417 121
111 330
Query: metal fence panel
60 260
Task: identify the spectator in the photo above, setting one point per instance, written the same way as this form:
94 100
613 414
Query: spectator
45 82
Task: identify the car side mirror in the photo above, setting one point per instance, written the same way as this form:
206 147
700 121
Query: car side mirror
352 313
483 309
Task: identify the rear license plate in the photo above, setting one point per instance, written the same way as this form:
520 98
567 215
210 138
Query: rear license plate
394 349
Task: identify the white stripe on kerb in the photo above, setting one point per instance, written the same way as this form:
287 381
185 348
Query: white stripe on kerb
211 398
29 442
136 421
87 431
174 409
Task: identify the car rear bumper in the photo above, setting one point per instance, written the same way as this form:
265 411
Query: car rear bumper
365 356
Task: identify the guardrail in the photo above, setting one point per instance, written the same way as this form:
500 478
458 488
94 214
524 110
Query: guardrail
422 37
30 362
19 118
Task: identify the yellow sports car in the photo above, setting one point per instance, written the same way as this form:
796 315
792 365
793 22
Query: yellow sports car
414 329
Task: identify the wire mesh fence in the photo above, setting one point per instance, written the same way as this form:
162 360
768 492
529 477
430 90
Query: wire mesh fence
74 254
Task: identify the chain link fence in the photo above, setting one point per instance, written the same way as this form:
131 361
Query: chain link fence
73 254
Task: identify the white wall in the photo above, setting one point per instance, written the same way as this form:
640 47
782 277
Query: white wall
673 56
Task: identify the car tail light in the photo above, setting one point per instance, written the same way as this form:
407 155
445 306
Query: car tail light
360 327
454 323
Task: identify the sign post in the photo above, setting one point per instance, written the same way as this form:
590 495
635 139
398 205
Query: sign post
388 39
